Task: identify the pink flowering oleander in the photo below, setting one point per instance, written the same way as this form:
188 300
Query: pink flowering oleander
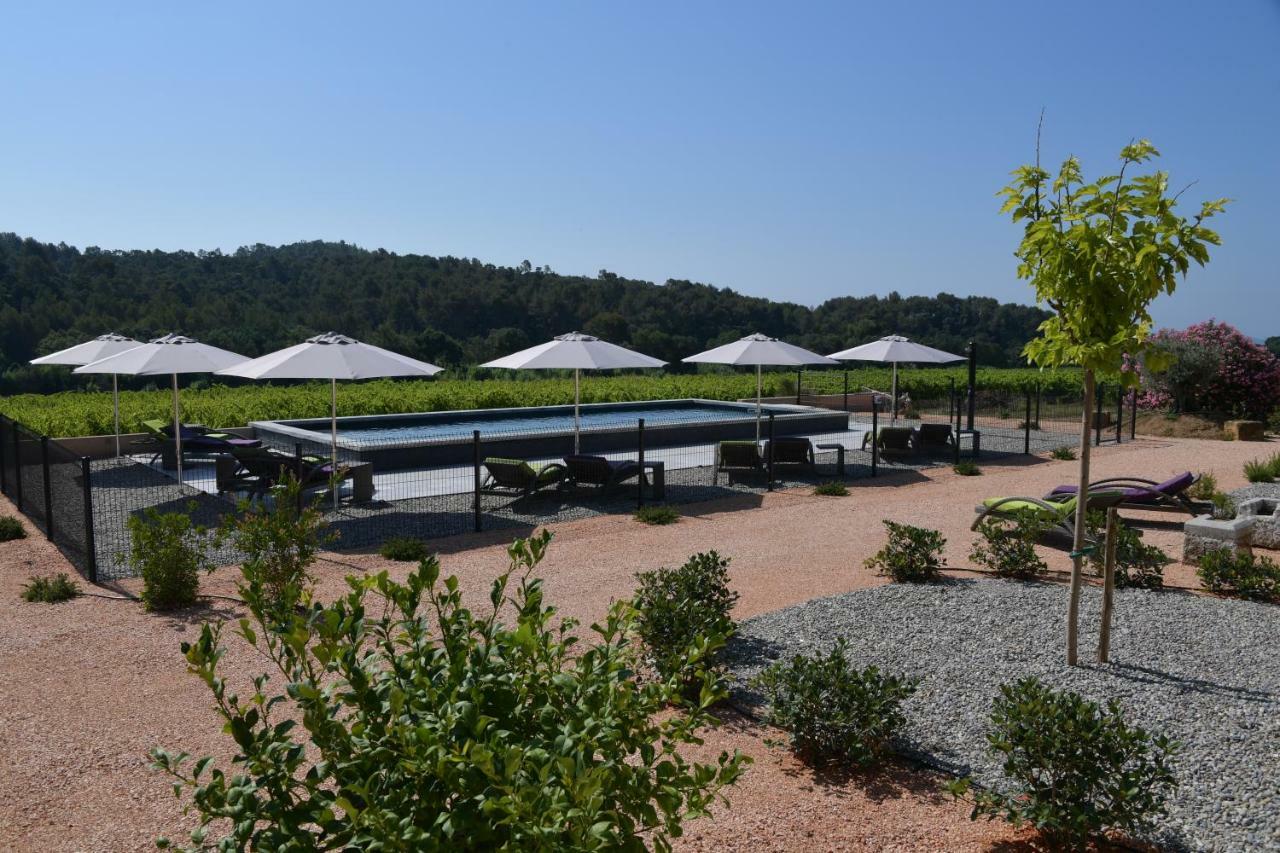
1246 382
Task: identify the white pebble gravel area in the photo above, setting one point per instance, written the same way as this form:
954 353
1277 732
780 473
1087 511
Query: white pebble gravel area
1204 671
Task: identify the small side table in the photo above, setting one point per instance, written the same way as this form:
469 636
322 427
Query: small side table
975 438
839 449
657 472
361 474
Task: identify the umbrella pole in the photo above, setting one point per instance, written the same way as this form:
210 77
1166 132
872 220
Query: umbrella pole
333 437
577 424
177 429
895 392
757 404
115 408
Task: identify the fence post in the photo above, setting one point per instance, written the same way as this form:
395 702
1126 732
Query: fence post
640 459
1026 427
1038 406
846 390
90 546
1119 412
973 380
17 468
799 378
875 435
1097 415
48 489
475 473
4 477
1133 415
770 459
297 473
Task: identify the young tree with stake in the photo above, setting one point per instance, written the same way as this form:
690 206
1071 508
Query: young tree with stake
1098 253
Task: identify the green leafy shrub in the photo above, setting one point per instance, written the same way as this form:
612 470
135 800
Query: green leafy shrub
11 528
1259 471
1224 506
1075 768
833 711
967 468
1240 574
1064 453
278 543
169 551
1204 488
51 589
682 609
1006 546
912 554
406 721
657 515
1138 565
832 489
405 549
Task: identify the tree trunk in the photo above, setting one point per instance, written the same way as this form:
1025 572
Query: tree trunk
1082 508
1108 586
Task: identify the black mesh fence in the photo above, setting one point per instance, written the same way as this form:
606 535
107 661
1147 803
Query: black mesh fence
520 469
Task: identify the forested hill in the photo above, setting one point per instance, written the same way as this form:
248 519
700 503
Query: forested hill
451 311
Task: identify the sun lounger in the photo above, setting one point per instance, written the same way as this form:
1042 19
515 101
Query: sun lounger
515 477
901 441
599 472
1059 511
196 440
1140 493
737 457
934 437
790 451
269 467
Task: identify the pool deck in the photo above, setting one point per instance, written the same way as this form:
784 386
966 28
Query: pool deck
408 483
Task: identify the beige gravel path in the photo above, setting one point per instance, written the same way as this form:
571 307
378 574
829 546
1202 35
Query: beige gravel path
87 687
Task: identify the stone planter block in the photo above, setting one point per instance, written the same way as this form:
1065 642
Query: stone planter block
1206 533
1245 430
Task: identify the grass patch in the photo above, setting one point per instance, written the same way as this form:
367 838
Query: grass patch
1065 453
1167 425
657 515
11 528
1263 470
50 589
831 488
405 549
965 468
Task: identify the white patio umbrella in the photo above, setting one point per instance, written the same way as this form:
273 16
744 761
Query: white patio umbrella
577 352
895 348
171 354
759 350
90 351
331 356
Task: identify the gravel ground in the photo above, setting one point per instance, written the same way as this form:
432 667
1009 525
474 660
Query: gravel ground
90 685
1202 670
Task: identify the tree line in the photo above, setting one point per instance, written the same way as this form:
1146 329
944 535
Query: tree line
455 312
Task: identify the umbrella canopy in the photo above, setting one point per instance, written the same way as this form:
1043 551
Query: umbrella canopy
331 356
759 350
90 351
893 349
171 354
577 352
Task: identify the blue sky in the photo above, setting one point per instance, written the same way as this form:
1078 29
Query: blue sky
792 150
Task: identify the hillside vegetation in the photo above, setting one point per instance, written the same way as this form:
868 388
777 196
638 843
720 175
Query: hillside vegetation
452 311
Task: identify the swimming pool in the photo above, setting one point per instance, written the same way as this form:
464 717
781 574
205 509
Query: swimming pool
424 439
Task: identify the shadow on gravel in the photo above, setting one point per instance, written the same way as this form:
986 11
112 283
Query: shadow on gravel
208 610
1146 675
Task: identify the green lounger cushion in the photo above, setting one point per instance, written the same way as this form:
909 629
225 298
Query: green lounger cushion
1014 506
533 472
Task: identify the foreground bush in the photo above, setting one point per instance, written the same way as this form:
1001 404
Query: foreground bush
1007 546
51 589
406 721
967 468
405 549
657 515
1138 565
831 489
1263 470
1075 768
912 554
677 609
169 551
1212 367
11 528
833 711
1204 488
1063 453
1240 574
278 543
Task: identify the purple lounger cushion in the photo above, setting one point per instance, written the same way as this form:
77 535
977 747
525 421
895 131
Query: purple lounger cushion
1136 494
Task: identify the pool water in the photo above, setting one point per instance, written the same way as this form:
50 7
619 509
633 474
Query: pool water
441 425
